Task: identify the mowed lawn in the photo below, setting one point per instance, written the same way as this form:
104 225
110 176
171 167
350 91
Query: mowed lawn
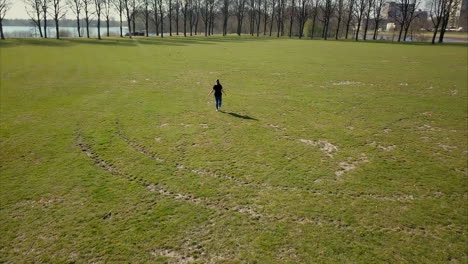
325 152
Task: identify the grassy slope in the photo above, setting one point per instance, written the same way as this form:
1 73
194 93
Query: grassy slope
236 189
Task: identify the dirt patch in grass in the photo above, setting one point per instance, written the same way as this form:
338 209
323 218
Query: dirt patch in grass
349 165
326 147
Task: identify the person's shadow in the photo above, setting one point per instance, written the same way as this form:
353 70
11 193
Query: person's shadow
240 116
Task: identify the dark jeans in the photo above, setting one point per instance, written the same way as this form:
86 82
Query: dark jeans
219 101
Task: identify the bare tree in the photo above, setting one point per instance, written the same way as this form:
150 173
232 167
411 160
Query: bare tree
327 12
196 14
128 4
239 6
339 14
161 16
107 6
45 7
370 3
59 11
98 6
146 15
259 16
350 16
119 6
280 18
225 12
445 19
273 12
169 14
314 17
252 16
361 7
34 9
154 11
411 16
378 4
87 7
5 5
291 17
177 14
205 15
185 10
302 16
265 16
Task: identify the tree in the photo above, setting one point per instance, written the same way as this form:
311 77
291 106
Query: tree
128 4
205 15
252 19
378 4
225 12
272 17
154 10
361 7
45 7
280 18
327 13
259 13
118 4
404 7
350 16
239 6
59 12
87 7
339 15
146 15
302 16
265 16
291 19
98 6
5 5
314 17
411 16
161 15
370 3
33 9
107 6
185 10
169 14
177 12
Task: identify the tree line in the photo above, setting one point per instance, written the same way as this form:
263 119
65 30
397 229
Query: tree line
338 19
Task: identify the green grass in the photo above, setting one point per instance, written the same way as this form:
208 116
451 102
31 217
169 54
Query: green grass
326 152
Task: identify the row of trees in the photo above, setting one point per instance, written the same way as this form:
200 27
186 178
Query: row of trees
327 18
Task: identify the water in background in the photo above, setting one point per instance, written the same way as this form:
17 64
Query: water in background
31 32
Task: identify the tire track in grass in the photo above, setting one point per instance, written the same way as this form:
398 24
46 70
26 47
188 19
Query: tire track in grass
206 173
423 231
216 205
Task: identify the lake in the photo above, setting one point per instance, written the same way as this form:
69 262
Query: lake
28 32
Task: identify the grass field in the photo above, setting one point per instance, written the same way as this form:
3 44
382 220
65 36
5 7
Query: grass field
325 152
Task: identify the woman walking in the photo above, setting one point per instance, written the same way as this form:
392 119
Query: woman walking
218 93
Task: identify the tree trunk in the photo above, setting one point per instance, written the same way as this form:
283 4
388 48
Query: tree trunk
121 28
170 18
99 27
401 31
107 26
338 27
358 28
366 26
1 29
292 18
177 21
87 26
78 25
57 33
350 16
436 28
45 25
162 21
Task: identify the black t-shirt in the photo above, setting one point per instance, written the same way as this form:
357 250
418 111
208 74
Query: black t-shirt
217 88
